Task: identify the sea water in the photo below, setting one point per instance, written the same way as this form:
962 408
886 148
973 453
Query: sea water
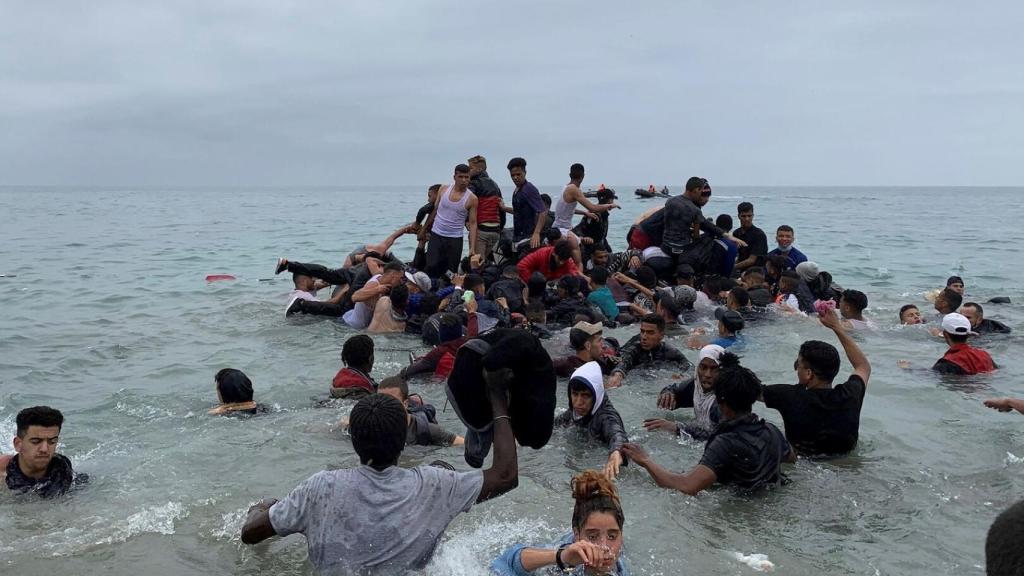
106 315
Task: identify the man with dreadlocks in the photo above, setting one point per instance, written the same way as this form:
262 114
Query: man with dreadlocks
743 450
379 518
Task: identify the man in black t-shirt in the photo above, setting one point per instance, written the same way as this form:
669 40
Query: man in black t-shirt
743 451
754 252
822 419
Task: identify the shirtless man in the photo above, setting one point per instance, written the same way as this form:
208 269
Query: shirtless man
565 208
454 211
359 254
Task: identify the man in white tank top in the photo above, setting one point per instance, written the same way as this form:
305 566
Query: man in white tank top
454 211
565 207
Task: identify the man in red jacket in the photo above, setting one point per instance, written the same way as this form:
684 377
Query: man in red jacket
961 358
552 262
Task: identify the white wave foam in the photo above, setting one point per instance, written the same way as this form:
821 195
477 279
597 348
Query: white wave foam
758 562
471 554
1012 459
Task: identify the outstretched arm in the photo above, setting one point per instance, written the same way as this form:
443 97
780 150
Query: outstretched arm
861 366
1006 404
692 482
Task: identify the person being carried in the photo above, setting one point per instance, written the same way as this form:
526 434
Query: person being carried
697 392
647 348
235 395
743 451
822 419
590 409
383 248
565 208
382 517
961 358
593 547
353 380
36 466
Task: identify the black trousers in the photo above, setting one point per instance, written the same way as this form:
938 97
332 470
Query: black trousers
318 308
443 254
335 276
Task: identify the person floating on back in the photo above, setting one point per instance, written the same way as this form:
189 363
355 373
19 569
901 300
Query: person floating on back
37 467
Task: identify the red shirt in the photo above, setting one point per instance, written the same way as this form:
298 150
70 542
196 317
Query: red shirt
540 261
349 378
970 359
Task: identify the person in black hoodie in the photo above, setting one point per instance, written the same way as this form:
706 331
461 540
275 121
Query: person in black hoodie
591 410
976 314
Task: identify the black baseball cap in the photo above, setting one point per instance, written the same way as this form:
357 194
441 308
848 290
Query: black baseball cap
731 319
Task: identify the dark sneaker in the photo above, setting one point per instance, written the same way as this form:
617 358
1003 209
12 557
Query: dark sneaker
282 265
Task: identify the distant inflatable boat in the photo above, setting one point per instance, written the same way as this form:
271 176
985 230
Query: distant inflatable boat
648 193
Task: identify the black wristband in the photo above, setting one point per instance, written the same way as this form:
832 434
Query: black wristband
558 557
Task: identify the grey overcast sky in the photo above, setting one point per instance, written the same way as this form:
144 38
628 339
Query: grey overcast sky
243 92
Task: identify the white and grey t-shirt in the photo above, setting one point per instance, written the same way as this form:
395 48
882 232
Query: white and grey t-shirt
361 520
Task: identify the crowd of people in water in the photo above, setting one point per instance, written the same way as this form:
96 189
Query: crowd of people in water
532 269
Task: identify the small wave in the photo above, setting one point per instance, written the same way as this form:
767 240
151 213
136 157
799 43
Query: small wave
758 562
1012 459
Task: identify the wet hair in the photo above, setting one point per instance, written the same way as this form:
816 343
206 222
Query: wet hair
517 162
744 207
396 382
546 199
394 267
753 271
952 297
461 169
536 285
434 188
789 280
724 221
43 416
298 279
570 285
856 298
563 250
576 171
736 386
956 338
785 228
472 281
234 386
655 319
577 338
552 235
976 306
594 493
696 183
478 160
906 307
1004 556
822 358
399 296
647 277
429 303
599 275
378 425
357 351
777 261
740 295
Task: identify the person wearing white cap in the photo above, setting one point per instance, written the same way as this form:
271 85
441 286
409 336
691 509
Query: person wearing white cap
961 358
697 393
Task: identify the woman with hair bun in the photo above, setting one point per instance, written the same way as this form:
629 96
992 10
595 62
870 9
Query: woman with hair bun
593 547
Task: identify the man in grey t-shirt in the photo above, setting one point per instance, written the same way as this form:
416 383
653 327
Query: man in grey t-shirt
380 518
